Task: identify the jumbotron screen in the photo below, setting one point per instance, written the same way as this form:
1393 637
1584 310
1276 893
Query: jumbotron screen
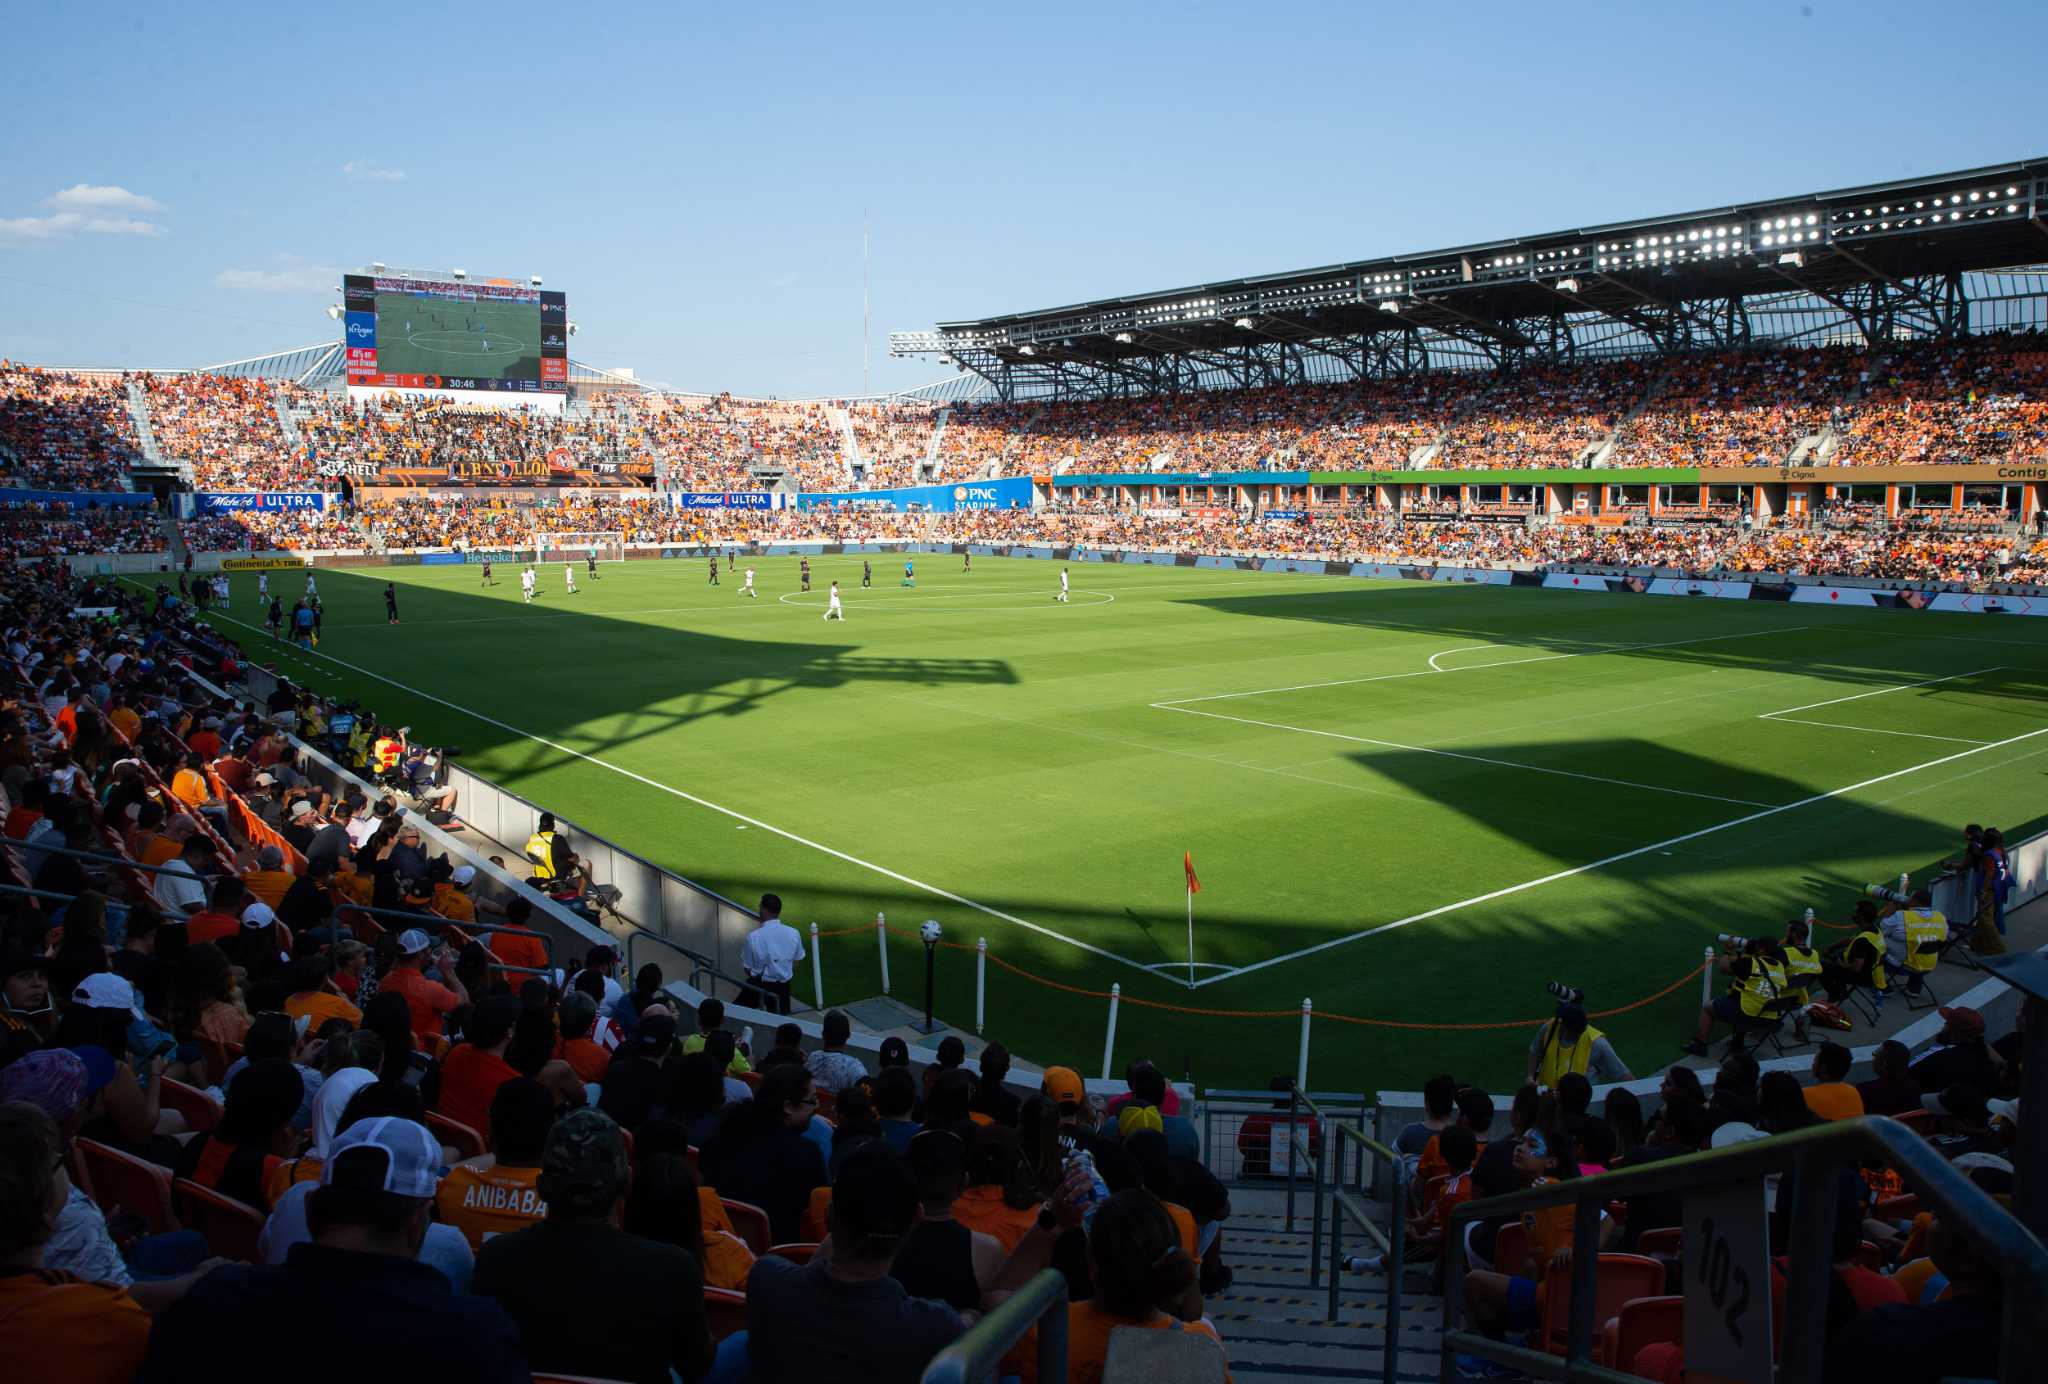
490 334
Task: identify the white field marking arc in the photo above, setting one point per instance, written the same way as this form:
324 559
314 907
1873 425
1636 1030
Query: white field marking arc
1880 691
1871 730
1462 649
913 603
1457 754
934 890
1617 859
1480 667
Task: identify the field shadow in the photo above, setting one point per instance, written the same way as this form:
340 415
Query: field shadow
1840 646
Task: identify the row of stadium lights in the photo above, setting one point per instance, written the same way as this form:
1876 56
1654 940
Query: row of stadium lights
1709 242
1937 211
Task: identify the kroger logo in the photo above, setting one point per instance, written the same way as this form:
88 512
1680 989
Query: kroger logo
361 331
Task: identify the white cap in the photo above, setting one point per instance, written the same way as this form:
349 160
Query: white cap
258 914
107 991
302 808
412 942
1735 1132
462 876
410 1165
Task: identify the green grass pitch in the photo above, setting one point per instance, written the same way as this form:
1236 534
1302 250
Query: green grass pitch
442 336
1407 801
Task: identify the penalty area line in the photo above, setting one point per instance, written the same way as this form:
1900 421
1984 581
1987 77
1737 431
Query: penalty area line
1618 858
932 889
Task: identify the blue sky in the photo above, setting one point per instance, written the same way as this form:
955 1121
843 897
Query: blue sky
181 185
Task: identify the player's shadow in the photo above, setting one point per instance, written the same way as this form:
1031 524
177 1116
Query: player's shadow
1868 647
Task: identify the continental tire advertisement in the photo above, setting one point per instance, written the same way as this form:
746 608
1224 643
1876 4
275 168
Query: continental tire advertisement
260 564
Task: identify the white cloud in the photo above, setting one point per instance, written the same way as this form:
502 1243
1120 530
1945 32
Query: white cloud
292 277
63 224
364 172
85 197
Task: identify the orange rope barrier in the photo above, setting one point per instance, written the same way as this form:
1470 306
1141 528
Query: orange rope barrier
1332 1015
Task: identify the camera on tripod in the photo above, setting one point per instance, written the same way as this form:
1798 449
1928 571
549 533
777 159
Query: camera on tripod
1734 941
1565 994
1887 894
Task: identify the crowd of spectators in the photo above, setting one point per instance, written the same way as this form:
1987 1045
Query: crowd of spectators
226 428
35 529
62 430
1975 399
1738 408
1543 415
894 439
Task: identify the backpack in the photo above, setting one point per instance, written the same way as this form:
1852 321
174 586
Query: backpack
1828 1015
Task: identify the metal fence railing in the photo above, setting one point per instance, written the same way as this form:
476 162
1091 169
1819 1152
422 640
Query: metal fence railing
1348 1202
1246 1134
1041 1303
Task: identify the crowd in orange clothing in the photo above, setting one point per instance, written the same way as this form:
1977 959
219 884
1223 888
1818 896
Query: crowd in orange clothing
1544 415
61 430
48 530
226 428
1738 408
1971 400
893 439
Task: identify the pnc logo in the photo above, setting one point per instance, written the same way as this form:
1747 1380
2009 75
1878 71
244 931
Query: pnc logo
959 492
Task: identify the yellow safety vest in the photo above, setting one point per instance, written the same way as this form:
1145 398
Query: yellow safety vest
540 849
1876 942
1802 966
387 752
1762 989
1558 1059
1926 930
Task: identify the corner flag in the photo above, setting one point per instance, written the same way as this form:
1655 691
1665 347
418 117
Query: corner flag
1187 861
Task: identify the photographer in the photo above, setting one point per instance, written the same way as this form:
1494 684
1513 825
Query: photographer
1802 971
1567 1043
1858 961
1914 936
1756 990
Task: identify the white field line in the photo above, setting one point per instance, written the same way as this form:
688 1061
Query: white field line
1871 730
934 890
1461 649
1455 754
1879 692
1617 859
1434 671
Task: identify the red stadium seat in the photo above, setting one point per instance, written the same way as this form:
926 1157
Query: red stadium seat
466 1142
231 1227
750 1223
137 1186
201 1111
726 1311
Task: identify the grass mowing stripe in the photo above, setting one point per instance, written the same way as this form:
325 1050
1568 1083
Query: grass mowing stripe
934 890
1617 859
1881 691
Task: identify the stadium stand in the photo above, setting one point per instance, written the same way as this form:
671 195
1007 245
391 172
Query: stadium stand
894 440
226 428
1980 398
1544 416
61 430
1731 408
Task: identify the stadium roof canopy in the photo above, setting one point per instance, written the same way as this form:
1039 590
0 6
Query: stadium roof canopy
1892 260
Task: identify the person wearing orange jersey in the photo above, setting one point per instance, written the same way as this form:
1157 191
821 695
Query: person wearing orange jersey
501 1191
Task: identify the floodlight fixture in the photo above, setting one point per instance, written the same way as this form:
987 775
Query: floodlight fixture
460 273
1027 350
1390 305
377 266
1567 285
334 312
1125 338
1244 324
535 281
572 329
1792 259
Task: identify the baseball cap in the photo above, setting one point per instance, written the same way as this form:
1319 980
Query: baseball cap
54 1080
302 808
1063 1084
412 941
583 1166
2004 1109
1133 1118
936 1153
1735 1132
266 780
258 915
1962 1101
600 956
655 1036
1962 1019
107 991
1571 1016
21 961
463 875
384 1154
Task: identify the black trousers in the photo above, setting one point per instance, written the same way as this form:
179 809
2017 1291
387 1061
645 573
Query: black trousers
771 995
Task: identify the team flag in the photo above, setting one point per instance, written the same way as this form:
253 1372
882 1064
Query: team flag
1187 860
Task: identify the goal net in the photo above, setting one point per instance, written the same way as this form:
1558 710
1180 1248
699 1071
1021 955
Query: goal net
574 547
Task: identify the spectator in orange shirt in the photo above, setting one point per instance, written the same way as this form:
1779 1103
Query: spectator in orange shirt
429 1001
53 1325
500 1191
1831 1096
27 809
589 1060
269 881
451 886
221 920
166 845
205 742
311 992
523 948
1426 1232
474 1070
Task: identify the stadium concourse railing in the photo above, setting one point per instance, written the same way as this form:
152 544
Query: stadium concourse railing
1041 1303
1729 1332
1322 1148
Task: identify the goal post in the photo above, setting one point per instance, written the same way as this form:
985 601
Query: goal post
574 547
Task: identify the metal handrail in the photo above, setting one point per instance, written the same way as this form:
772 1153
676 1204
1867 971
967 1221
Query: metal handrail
1808 1155
973 1357
1348 1201
700 966
1299 1152
429 921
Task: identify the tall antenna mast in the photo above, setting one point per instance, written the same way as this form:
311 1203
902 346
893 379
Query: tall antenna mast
865 387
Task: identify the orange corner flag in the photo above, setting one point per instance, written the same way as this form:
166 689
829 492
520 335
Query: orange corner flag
1187 860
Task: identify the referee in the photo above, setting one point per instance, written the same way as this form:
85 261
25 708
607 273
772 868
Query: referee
768 958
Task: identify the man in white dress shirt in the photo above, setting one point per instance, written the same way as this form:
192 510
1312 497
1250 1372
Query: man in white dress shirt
769 957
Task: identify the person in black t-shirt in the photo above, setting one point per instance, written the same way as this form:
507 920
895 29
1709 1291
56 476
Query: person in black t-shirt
1960 1057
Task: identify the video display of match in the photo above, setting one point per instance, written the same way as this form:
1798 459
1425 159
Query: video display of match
490 334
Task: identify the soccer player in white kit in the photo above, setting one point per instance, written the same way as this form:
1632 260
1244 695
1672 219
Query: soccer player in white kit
832 607
569 576
311 590
221 592
1063 585
526 584
263 586
747 586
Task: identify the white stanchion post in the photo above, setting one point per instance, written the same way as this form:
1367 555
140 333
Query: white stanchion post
980 981
1116 994
882 940
1301 1066
1707 982
817 970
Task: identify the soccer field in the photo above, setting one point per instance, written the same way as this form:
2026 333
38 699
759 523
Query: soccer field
1411 802
420 335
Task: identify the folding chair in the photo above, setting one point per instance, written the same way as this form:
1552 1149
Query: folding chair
1747 1035
232 1228
134 1184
